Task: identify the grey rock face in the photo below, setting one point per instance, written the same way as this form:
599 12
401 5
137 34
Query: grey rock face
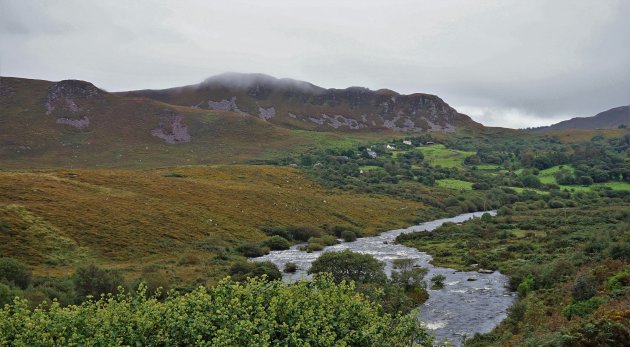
171 128
63 95
224 105
338 121
266 113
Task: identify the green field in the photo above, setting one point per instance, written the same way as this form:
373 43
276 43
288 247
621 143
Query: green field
439 155
454 184
546 176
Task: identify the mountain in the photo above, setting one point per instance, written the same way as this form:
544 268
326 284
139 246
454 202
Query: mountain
302 105
610 119
76 124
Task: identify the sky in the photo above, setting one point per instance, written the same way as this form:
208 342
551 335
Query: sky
509 63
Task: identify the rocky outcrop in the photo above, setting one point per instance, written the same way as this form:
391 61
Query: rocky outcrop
349 109
224 105
338 121
266 113
171 128
69 102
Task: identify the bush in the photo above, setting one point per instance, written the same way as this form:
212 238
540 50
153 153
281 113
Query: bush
314 246
250 250
585 287
94 281
243 270
15 272
556 204
329 240
256 313
582 308
348 236
303 233
7 294
350 266
277 243
438 281
290 267
526 285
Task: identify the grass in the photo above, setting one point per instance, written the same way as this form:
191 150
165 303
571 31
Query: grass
606 185
454 184
439 155
546 176
129 219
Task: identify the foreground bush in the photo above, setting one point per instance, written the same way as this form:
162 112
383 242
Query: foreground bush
257 313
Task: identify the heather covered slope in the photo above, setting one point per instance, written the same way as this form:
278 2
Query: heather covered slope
301 105
75 124
178 219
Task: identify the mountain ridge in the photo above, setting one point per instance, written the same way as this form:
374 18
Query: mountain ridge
609 119
303 105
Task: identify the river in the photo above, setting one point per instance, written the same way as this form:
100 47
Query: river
469 303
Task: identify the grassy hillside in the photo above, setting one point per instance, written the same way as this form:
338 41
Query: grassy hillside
134 219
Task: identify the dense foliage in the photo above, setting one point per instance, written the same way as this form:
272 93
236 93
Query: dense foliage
569 266
256 313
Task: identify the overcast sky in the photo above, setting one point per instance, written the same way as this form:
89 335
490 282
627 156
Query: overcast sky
512 63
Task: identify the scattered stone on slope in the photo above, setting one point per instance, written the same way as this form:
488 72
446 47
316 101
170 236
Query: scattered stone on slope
80 123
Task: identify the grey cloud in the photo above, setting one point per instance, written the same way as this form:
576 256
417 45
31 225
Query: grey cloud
506 62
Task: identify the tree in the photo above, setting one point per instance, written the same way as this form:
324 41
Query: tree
94 281
531 181
14 272
349 266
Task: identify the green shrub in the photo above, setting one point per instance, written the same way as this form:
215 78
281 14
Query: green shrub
15 272
329 240
348 236
276 243
582 308
250 250
7 294
290 267
94 281
526 285
314 246
437 282
556 204
243 270
256 313
584 288
303 233
349 266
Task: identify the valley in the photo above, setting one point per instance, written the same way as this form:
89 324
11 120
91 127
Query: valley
102 192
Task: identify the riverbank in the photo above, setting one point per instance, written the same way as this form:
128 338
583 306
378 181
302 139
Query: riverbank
568 265
461 308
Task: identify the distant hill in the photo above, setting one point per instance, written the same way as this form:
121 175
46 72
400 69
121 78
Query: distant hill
610 119
302 105
75 124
